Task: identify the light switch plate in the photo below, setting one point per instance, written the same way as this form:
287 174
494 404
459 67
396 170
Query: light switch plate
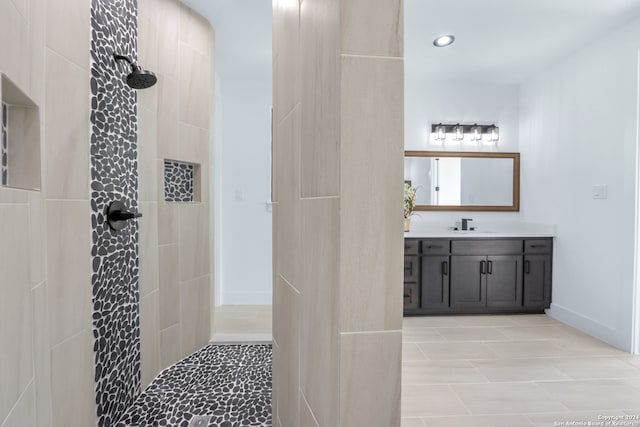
599 191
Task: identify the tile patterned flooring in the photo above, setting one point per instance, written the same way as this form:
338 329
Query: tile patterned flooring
218 386
511 371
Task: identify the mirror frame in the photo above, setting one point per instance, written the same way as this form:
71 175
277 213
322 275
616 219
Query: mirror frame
515 207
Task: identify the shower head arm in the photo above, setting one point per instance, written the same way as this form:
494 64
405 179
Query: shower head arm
123 58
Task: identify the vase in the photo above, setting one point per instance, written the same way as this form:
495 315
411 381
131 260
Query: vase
407 224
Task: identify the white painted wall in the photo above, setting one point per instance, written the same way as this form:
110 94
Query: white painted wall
428 102
244 185
578 128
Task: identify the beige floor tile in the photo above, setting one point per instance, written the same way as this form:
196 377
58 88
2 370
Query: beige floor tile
420 322
512 398
533 320
431 400
485 321
472 334
422 335
593 395
588 347
440 372
410 351
411 422
595 367
535 332
632 360
526 349
466 350
519 370
479 421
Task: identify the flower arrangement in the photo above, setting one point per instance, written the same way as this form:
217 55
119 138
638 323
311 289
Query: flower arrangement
409 200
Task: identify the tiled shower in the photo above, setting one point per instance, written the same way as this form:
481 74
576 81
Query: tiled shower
89 315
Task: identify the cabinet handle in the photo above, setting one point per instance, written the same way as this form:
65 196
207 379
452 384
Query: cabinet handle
527 267
482 270
538 246
490 267
445 268
435 247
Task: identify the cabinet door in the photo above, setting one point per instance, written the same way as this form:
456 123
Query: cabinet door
537 281
504 281
435 282
468 286
411 296
411 268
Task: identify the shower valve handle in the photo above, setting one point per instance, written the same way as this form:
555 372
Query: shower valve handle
117 215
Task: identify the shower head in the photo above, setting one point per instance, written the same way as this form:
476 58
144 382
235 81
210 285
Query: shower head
138 78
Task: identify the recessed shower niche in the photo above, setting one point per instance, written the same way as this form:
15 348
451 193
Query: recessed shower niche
20 138
181 181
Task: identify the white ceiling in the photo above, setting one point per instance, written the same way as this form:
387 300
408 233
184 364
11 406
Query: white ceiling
504 41
497 41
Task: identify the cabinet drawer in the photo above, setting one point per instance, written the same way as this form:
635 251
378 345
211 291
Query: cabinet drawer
435 247
537 246
411 246
411 295
411 266
486 247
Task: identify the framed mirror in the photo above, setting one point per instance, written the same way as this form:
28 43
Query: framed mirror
464 181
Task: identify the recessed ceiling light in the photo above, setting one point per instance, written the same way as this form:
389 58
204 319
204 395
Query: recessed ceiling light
443 41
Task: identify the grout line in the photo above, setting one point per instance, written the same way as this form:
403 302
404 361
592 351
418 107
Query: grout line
386 331
351 55
306 402
15 405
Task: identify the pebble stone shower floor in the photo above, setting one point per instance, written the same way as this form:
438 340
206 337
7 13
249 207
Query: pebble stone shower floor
220 385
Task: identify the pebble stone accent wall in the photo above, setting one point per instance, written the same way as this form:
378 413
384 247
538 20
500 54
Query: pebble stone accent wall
178 181
218 386
5 143
114 176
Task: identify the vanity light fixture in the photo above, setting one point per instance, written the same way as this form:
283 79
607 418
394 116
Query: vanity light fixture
494 133
441 132
444 41
458 132
475 132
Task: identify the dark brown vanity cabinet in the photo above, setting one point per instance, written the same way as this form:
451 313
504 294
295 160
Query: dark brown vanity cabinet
477 275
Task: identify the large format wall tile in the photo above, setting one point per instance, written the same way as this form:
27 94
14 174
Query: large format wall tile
148 258
68 31
359 16
69 268
371 194
41 358
194 241
170 349
66 130
167 117
286 48
195 318
195 86
149 338
319 350
195 31
169 286
72 384
23 413
15 306
369 373
287 370
168 42
320 98
147 155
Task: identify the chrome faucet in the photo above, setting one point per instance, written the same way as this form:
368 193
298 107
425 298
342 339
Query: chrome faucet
465 224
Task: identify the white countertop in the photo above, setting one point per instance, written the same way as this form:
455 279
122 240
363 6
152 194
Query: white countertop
493 230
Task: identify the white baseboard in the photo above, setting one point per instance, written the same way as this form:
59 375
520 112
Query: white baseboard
588 326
